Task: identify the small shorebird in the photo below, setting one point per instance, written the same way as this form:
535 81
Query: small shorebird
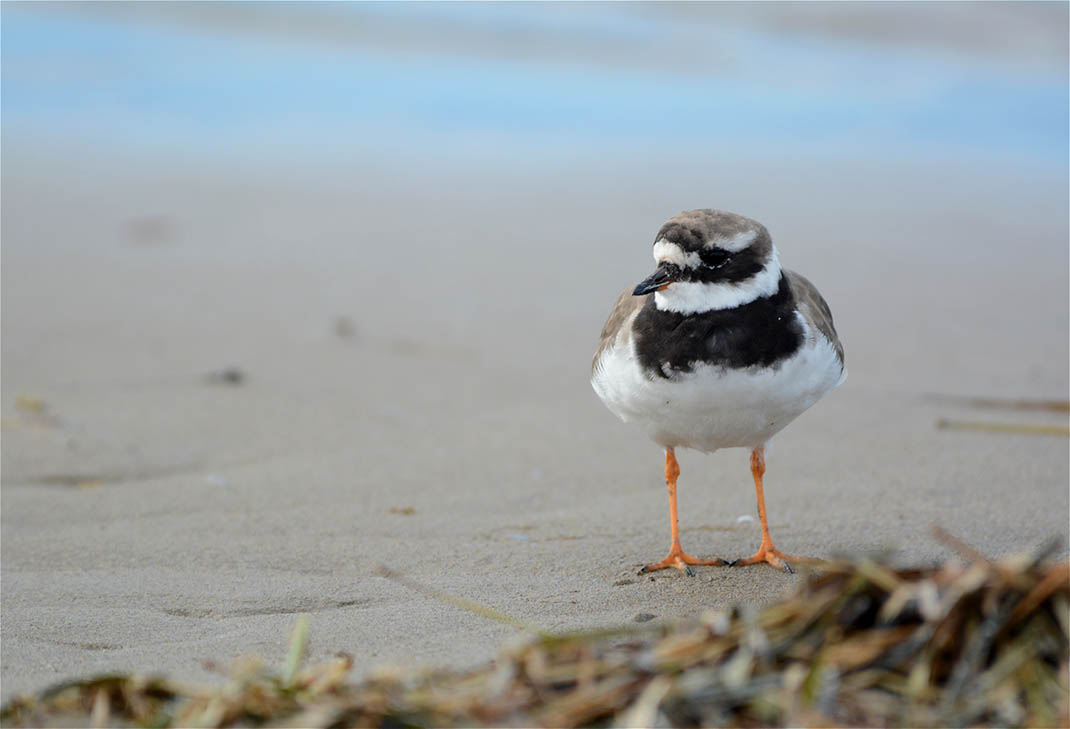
727 351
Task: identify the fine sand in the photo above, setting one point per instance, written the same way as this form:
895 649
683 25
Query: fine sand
414 394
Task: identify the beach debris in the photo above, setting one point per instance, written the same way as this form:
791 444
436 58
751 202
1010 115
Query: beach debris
298 644
150 230
402 510
344 328
997 403
1014 428
461 602
967 643
31 412
30 404
228 376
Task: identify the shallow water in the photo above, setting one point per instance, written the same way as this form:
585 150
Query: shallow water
522 85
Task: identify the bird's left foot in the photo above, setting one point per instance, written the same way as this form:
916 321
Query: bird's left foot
681 560
773 556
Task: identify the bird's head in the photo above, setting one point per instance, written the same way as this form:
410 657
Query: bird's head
709 259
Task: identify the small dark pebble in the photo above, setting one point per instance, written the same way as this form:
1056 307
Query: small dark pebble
150 230
344 328
618 583
644 617
231 376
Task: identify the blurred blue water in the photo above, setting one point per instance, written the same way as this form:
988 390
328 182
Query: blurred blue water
209 89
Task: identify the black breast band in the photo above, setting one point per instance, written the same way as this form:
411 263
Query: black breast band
763 332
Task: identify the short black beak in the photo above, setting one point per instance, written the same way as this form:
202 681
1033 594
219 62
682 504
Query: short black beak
665 275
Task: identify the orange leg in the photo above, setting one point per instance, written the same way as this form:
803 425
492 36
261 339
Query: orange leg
766 552
677 557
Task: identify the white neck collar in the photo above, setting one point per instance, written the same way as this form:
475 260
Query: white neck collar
694 297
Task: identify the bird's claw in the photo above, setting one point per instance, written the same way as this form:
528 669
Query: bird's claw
771 555
681 561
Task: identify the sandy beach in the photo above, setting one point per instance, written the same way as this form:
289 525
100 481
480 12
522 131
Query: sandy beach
409 355
154 518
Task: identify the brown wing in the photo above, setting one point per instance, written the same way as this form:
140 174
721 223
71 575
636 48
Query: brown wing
813 307
621 315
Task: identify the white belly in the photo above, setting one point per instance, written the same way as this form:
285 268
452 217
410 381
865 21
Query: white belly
716 407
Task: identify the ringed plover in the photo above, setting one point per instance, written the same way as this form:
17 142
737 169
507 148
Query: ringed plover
719 348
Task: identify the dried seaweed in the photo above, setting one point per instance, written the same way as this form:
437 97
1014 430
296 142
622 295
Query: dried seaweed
1012 428
860 644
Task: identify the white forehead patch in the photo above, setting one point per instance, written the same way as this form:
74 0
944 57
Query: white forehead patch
672 253
736 243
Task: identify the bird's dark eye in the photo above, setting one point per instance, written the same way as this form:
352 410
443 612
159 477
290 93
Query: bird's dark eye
714 257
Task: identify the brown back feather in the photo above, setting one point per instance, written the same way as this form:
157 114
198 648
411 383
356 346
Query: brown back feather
813 307
622 312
